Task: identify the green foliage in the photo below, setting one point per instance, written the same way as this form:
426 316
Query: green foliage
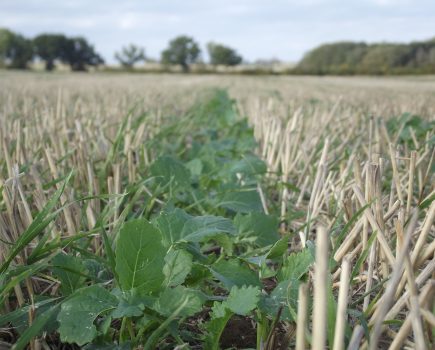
362 58
296 265
69 271
15 50
80 54
130 55
182 50
166 261
169 171
178 264
261 227
242 201
51 47
140 257
203 228
78 314
234 273
407 124
172 298
223 55
241 301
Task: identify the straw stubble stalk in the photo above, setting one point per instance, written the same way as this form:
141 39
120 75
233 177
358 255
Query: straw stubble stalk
302 316
320 290
341 319
387 298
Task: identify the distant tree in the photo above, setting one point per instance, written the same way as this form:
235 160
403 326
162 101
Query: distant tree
15 50
362 58
383 58
223 55
50 47
341 57
182 50
79 54
130 55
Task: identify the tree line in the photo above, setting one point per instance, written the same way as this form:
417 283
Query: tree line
347 58
341 58
17 52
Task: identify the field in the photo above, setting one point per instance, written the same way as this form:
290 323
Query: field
216 212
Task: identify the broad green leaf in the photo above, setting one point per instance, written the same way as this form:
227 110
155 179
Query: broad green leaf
284 295
242 201
295 265
77 314
242 300
232 273
171 299
140 257
216 326
124 346
195 166
264 228
178 264
278 249
126 309
171 225
249 165
69 270
202 228
169 170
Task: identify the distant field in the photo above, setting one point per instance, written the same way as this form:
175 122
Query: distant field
202 211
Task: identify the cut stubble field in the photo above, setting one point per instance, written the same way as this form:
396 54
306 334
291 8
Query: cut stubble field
216 212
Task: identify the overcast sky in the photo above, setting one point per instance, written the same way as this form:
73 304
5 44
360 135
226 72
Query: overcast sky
284 29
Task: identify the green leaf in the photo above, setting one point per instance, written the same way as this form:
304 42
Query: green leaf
202 228
140 257
170 224
78 314
296 265
250 165
171 299
232 273
126 309
264 228
278 249
195 166
169 170
284 295
242 300
69 270
178 264
216 326
243 201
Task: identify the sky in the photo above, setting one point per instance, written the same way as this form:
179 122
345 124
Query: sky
258 29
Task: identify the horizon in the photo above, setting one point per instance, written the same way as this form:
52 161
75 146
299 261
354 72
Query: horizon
255 29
